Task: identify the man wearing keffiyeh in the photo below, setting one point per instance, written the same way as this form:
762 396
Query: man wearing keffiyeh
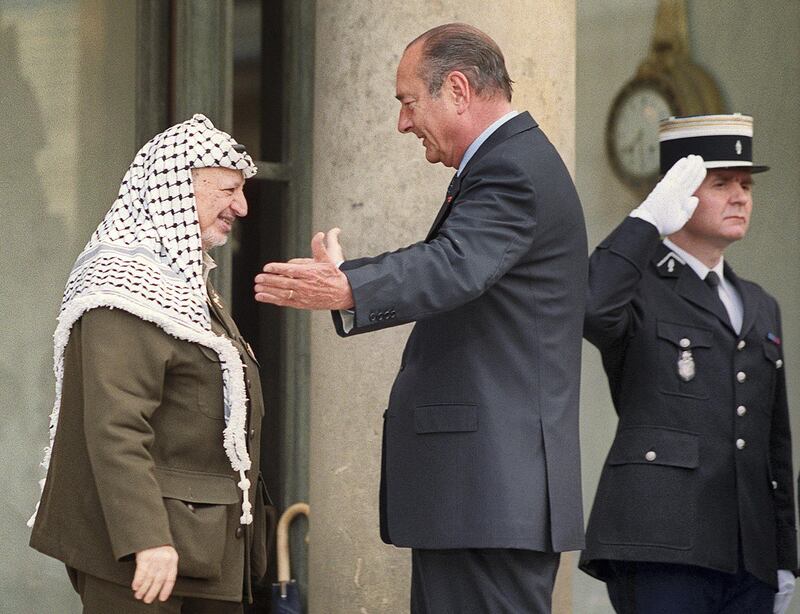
153 491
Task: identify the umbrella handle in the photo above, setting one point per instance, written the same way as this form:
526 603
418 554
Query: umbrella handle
283 538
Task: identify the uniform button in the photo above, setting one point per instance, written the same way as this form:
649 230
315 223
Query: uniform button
778 363
741 443
741 344
650 456
372 317
190 507
774 485
685 343
252 433
741 410
741 376
239 532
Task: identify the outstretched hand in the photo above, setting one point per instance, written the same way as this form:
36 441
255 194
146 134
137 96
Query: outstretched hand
308 283
671 203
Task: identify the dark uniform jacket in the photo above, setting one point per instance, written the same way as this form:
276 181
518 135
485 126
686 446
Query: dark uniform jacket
701 465
481 433
138 459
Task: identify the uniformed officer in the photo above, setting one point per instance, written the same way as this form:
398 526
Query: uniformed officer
694 511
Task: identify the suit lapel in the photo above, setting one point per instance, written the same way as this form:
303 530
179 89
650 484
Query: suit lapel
215 306
750 301
515 125
447 205
689 285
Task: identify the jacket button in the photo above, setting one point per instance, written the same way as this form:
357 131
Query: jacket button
774 485
252 433
190 507
741 410
778 363
685 343
372 317
741 376
650 456
741 344
239 532
740 444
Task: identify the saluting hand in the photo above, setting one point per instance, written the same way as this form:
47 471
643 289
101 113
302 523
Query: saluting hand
670 205
308 283
156 572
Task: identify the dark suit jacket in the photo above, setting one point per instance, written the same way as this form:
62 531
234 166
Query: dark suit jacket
138 459
481 434
676 486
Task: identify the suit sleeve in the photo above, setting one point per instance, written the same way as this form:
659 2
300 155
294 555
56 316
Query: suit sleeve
491 226
124 365
615 270
781 466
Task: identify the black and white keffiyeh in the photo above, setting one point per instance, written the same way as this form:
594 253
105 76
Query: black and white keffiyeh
146 258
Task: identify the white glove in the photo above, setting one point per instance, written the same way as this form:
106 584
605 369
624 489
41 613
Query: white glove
785 590
670 205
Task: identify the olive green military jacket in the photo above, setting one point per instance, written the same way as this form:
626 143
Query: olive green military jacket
138 458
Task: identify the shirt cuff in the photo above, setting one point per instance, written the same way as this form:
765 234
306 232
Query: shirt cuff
348 319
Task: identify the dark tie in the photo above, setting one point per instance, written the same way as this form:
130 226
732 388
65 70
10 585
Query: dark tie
444 210
449 196
712 279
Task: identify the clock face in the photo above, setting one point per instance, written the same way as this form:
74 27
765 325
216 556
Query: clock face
633 132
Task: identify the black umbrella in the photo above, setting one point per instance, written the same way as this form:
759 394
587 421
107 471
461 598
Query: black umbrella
285 596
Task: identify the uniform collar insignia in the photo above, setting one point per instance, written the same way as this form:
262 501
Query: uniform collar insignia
670 265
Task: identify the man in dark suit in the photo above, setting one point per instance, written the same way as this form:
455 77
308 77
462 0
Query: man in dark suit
480 467
694 511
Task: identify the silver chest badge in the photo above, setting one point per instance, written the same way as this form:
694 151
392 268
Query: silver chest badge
686 369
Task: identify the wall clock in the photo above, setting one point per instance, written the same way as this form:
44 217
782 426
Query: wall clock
667 83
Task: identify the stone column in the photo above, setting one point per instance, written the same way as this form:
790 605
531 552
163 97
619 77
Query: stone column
376 185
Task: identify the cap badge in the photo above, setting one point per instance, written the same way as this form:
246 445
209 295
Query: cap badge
738 147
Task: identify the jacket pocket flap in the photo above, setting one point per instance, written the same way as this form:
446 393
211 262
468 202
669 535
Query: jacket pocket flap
449 418
196 487
683 336
208 352
655 446
771 351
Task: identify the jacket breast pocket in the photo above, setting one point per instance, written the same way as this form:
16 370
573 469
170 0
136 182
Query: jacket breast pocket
683 359
198 507
648 490
773 355
446 418
209 386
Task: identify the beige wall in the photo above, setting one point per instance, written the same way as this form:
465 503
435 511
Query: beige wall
376 184
753 51
66 138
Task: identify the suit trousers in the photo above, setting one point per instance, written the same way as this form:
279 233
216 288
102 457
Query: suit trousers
664 588
101 597
482 581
